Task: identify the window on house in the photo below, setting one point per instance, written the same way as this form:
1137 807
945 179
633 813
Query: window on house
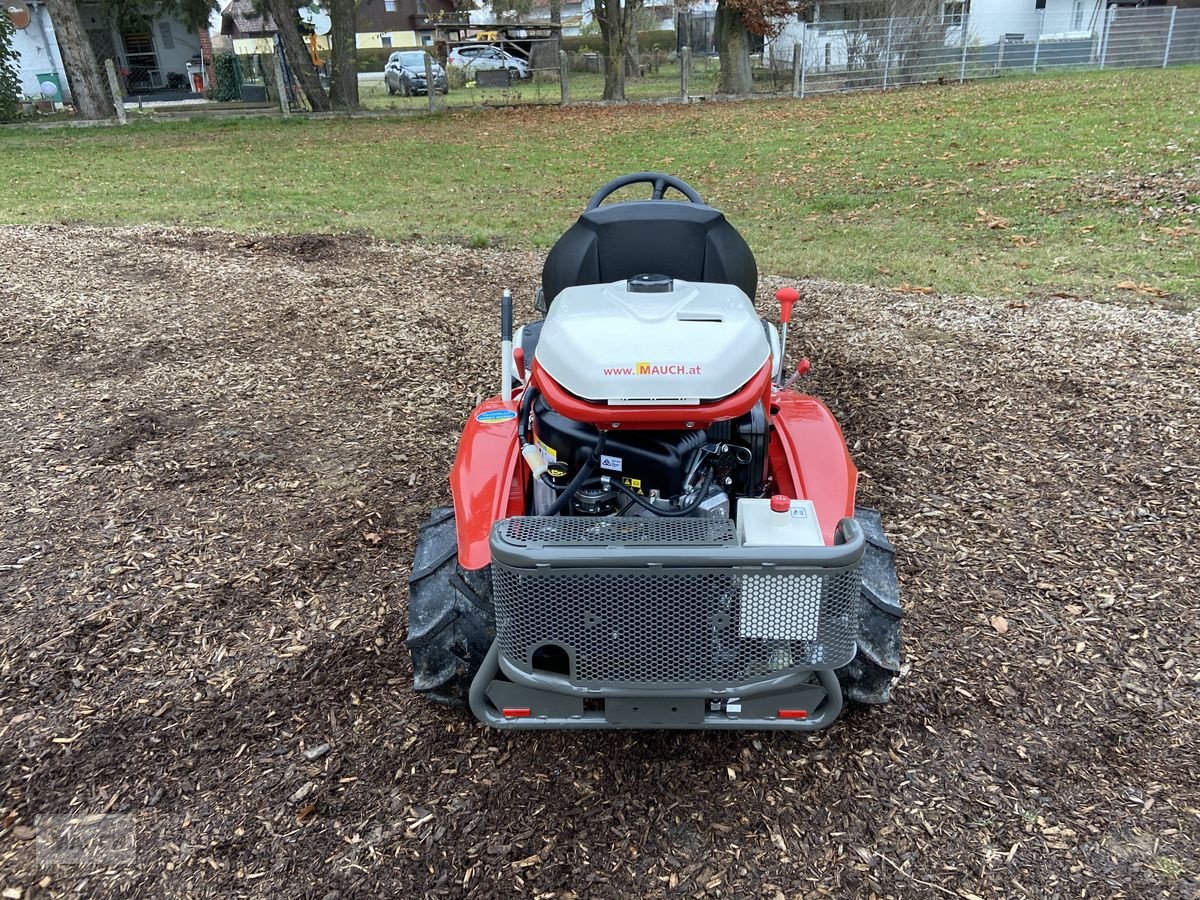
389 5
385 40
164 32
1077 20
954 11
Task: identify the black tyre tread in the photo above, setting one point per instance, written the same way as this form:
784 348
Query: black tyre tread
450 620
869 677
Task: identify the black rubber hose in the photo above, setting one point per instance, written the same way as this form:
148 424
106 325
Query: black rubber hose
580 477
527 399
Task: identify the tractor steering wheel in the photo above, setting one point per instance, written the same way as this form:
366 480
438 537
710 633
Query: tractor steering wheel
660 181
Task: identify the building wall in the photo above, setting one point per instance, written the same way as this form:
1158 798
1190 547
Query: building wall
991 20
367 39
174 45
38 54
375 39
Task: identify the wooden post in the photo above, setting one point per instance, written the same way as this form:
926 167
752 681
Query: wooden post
1108 21
115 87
685 71
281 87
564 78
887 54
1037 47
430 88
797 70
1170 33
962 65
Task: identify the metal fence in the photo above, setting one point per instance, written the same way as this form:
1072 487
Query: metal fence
825 57
884 53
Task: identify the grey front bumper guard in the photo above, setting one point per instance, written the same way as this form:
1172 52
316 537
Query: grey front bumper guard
757 695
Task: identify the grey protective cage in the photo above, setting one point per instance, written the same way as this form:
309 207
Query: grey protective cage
671 604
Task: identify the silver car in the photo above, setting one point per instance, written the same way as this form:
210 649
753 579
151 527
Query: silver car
471 57
404 74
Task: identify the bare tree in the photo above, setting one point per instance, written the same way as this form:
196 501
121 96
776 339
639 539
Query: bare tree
344 79
294 50
616 19
92 100
736 20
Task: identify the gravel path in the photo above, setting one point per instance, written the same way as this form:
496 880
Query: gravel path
214 454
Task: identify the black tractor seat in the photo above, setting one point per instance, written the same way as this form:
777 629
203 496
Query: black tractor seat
690 241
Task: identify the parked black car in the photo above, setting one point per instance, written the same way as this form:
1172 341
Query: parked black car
404 74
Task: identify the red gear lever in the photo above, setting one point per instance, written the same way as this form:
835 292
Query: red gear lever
787 297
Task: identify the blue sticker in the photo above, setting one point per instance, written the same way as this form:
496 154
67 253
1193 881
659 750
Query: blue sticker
492 416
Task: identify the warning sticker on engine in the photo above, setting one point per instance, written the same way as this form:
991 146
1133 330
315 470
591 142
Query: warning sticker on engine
612 463
634 484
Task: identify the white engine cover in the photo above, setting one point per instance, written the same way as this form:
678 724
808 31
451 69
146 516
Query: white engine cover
697 342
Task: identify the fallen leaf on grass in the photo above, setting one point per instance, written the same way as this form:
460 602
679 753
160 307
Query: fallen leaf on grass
1142 288
1000 624
993 222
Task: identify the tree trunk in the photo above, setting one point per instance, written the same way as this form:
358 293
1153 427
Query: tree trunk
611 15
633 57
733 46
296 53
88 93
344 87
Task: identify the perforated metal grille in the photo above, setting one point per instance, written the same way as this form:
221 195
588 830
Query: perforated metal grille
634 626
614 531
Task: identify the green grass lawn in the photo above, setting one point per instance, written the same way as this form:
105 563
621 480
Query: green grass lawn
1023 187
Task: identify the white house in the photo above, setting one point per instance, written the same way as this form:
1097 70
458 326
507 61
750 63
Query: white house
836 38
150 58
576 15
992 21
38 59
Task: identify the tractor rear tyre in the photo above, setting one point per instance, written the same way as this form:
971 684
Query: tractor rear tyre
868 678
451 620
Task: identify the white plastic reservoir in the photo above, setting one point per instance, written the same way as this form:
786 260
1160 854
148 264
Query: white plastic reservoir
778 522
775 608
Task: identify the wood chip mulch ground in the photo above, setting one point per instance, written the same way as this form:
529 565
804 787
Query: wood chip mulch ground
215 450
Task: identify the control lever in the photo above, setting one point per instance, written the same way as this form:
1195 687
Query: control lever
787 297
802 368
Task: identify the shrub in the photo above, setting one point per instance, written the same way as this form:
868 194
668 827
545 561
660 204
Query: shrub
10 87
663 39
229 78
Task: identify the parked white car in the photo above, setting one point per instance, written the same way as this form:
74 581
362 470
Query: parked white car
471 57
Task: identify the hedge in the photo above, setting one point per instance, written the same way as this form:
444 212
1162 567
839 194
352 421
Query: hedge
663 39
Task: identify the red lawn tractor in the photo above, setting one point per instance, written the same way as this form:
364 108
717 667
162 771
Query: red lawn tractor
650 529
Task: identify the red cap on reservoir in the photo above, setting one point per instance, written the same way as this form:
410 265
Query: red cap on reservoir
780 503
